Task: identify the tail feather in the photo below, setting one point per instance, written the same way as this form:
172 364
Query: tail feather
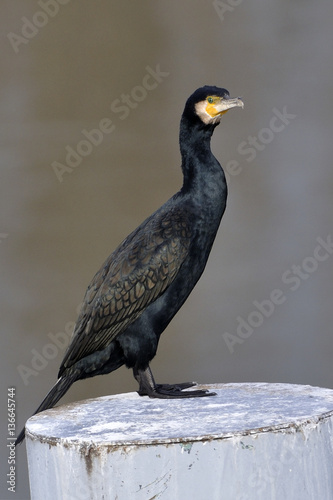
58 390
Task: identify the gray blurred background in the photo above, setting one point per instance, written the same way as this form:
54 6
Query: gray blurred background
63 68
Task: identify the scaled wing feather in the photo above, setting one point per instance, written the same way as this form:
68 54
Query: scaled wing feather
133 277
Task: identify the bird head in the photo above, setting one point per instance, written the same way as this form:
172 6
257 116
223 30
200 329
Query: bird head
210 103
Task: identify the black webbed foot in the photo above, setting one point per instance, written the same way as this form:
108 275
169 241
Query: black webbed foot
176 391
148 387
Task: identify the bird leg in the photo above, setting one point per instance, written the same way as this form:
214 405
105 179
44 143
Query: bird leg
148 387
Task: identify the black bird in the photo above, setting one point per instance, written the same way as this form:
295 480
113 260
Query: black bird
146 280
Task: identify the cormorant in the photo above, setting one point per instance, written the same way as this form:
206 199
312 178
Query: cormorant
146 280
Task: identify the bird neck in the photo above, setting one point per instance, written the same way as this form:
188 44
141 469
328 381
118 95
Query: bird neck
199 165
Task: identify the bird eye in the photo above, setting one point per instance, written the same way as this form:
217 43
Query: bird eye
210 100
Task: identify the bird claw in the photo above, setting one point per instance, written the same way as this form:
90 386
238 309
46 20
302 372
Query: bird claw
173 387
148 387
175 391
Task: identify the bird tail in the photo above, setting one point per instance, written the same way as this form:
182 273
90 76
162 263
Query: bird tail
58 390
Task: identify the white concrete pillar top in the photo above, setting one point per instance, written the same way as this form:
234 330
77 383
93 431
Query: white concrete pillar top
237 409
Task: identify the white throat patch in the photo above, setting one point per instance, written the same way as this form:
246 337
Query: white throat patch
207 118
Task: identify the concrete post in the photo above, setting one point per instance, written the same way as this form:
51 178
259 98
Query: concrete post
250 442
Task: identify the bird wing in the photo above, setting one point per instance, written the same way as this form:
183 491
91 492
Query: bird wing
133 277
